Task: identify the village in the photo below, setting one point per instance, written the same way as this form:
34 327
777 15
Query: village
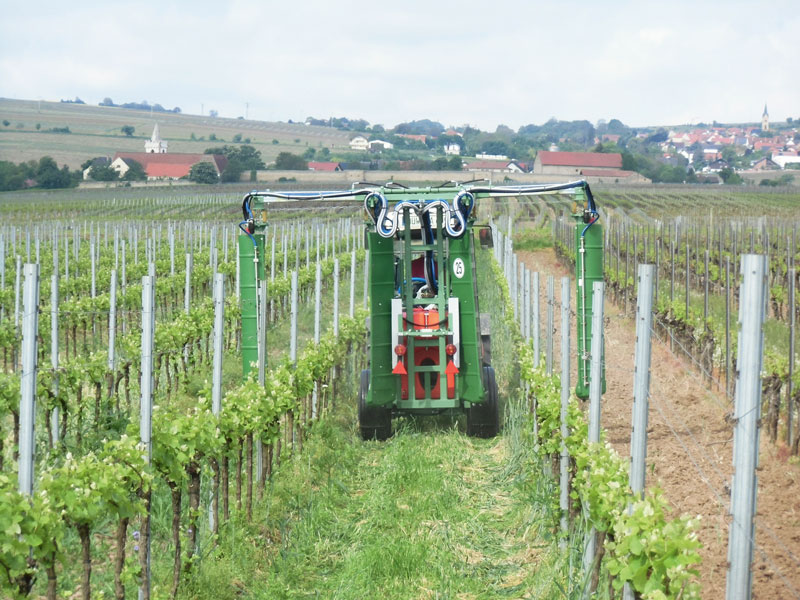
706 154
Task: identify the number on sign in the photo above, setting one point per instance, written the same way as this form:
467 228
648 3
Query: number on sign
458 268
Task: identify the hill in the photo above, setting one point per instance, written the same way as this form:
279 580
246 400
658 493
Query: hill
33 131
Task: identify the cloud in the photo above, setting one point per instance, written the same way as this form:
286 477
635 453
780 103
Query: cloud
509 62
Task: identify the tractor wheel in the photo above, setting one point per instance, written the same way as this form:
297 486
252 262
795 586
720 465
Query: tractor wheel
483 420
375 422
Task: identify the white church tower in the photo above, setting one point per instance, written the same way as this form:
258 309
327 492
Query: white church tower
155 145
765 120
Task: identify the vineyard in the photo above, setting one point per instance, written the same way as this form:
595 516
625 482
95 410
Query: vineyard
135 458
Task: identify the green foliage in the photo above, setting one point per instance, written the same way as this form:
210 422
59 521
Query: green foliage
203 172
534 239
31 531
653 553
245 158
103 173
286 161
421 127
730 177
135 171
127 130
785 179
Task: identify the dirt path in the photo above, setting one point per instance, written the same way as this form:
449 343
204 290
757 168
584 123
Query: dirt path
689 452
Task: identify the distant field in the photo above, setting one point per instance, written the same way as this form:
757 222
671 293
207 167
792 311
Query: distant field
96 131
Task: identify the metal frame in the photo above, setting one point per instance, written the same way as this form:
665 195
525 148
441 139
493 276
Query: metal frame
399 248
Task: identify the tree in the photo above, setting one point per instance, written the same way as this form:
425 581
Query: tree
107 102
248 157
730 177
616 127
6 122
286 161
135 171
103 173
455 163
12 176
309 153
232 172
127 130
494 147
237 139
49 176
203 172
421 127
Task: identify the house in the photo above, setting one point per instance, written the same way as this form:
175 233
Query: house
484 156
412 136
166 166
499 166
572 163
359 143
379 145
452 149
100 161
325 166
716 166
764 164
609 137
783 159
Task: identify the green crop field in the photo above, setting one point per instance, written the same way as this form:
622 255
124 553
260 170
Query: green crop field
96 131
429 513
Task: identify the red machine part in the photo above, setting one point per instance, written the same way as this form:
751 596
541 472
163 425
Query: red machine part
424 356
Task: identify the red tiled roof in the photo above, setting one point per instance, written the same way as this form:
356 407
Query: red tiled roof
323 166
580 159
412 136
174 165
607 173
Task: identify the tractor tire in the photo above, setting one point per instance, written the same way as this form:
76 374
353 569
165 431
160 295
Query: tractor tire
375 422
483 420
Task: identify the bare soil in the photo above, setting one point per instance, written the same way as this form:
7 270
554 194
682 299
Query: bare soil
690 449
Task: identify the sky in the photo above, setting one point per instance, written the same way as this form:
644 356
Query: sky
457 62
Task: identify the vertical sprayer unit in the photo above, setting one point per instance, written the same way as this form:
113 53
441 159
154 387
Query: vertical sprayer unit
429 346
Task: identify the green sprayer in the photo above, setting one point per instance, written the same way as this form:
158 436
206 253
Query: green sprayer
429 345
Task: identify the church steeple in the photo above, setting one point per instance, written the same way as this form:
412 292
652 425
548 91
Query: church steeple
765 119
155 145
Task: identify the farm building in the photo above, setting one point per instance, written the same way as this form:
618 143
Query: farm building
379 145
572 163
166 166
500 166
324 166
359 143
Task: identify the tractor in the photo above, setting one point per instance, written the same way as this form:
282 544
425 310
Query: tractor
429 345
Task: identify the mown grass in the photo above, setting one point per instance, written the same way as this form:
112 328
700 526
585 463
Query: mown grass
431 513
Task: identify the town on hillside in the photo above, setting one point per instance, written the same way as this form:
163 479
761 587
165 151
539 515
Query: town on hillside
762 153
